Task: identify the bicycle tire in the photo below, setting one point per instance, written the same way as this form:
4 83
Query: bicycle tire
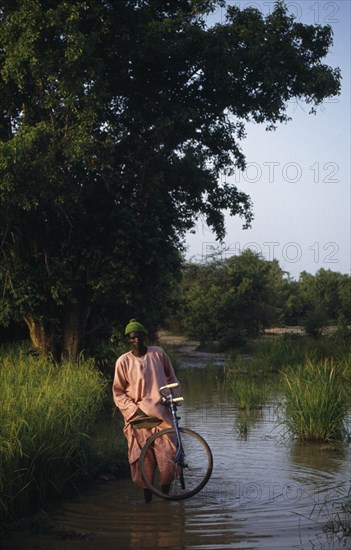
187 480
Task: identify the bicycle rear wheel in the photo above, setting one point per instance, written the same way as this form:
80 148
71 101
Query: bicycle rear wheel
181 479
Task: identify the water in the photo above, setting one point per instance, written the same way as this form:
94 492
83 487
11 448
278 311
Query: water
266 492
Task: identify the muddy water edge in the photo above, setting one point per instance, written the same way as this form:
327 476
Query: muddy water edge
266 492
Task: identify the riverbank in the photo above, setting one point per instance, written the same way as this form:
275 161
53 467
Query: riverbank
187 353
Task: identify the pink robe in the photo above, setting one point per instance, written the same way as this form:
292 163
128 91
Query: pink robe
136 385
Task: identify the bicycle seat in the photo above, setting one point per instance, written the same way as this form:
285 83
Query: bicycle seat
143 421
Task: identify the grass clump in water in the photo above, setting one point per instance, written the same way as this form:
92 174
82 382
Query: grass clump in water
270 355
315 407
249 393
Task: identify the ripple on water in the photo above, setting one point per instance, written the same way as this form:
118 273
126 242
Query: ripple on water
265 493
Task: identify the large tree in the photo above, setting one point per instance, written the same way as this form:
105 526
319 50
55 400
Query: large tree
116 119
223 299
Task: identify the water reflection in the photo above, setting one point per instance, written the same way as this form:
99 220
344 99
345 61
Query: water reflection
170 531
319 457
245 421
266 492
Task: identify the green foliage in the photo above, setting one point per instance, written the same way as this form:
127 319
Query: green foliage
116 121
315 321
47 417
315 405
324 297
225 302
228 300
342 333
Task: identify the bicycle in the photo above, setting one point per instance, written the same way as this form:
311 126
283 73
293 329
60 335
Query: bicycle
190 456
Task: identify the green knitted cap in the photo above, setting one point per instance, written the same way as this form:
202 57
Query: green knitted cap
134 326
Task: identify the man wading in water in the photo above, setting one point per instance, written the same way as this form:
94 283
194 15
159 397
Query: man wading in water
139 374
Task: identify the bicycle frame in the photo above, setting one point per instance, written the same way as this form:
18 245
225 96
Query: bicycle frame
179 456
171 402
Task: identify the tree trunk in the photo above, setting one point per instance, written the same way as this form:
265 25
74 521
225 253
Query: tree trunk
63 340
73 329
42 336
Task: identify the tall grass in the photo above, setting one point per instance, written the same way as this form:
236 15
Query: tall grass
315 406
249 393
47 414
313 379
271 355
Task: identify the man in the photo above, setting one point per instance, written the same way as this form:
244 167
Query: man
139 374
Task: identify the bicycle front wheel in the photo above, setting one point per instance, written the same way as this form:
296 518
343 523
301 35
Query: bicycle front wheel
174 477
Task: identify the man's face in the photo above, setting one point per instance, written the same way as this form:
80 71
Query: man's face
136 340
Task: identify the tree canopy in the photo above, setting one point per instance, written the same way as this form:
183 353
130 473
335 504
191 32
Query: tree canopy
116 119
224 301
227 300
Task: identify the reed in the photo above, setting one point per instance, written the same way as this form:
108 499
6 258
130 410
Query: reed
47 414
248 393
271 355
315 407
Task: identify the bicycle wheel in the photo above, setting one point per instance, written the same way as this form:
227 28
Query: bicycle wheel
173 479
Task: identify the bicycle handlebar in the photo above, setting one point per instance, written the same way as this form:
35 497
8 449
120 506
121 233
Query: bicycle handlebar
169 386
169 399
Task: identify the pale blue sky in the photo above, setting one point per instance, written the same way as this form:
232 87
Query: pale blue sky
298 177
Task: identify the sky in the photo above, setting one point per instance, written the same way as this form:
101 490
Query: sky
298 177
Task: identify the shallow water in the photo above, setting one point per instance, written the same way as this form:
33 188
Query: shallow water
266 492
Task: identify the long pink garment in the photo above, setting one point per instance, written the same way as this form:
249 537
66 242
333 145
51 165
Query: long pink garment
136 385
